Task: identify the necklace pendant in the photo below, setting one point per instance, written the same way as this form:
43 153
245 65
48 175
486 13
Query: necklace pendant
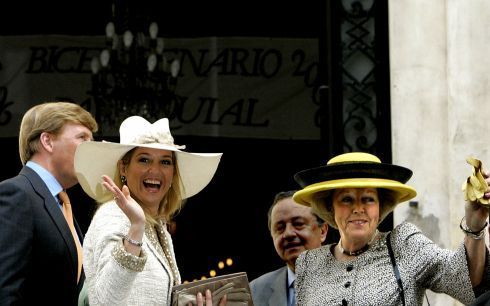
356 253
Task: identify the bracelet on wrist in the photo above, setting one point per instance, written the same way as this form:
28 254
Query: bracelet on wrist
476 236
472 234
133 242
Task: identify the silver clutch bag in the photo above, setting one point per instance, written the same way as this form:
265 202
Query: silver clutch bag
235 286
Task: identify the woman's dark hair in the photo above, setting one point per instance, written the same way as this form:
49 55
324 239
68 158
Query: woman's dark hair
286 195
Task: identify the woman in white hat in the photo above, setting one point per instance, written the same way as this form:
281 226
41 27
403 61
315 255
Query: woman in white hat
354 192
140 183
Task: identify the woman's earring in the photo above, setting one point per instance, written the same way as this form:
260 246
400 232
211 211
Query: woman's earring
123 179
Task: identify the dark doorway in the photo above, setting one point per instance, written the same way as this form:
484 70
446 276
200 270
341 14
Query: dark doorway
229 218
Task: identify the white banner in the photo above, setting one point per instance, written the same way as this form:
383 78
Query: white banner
227 87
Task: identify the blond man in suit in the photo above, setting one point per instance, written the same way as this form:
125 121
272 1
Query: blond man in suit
38 254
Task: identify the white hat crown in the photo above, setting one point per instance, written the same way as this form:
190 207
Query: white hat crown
137 130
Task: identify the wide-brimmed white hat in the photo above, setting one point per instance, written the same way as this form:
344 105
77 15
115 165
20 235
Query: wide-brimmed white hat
94 158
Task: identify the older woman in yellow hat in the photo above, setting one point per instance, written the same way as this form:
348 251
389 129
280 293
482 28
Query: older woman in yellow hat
354 192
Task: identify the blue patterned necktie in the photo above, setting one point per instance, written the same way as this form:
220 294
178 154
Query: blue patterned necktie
292 292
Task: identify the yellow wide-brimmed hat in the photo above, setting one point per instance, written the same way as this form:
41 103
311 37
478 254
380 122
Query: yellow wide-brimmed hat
354 170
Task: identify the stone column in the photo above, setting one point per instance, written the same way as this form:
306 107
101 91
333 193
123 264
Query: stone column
440 98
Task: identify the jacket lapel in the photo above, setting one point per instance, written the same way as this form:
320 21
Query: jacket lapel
54 211
162 261
159 256
279 293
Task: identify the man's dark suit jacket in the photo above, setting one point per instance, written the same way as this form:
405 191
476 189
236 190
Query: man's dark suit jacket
270 289
482 300
38 256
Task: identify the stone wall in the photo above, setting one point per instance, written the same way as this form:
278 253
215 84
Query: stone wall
440 94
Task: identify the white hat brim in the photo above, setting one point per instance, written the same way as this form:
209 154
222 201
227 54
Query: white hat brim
94 159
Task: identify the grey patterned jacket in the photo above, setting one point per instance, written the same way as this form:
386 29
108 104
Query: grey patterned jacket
369 278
